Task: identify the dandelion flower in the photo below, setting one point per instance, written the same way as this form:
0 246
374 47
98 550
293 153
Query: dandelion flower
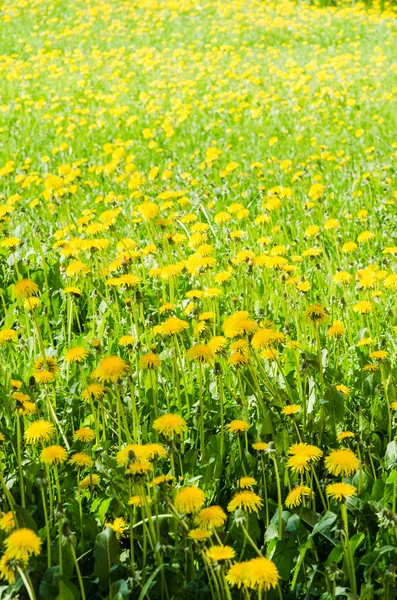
90 481
199 535
172 326
245 500
203 353
8 335
235 574
150 361
336 330
212 516
291 410
76 355
316 314
238 426
342 462
246 482
345 435
8 567
363 307
111 368
94 390
53 455
119 526
340 491
81 459
260 446
220 553
25 288
161 480
296 495
85 434
7 522
189 500
39 431
22 544
260 574
170 425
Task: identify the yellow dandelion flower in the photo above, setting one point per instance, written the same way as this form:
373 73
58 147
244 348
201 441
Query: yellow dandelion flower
203 353
7 522
170 425
296 495
238 426
316 314
199 535
173 326
246 482
260 574
150 361
90 481
260 446
336 330
340 491
220 553
111 368
85 434
342 462
212 516
53 455
245 500
81 459
22 544
25 288
291 409
39 431
189 500
77 354
119 526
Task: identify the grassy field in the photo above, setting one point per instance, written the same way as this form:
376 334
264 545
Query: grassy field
198 326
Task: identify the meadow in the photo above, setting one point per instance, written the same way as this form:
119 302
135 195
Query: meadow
198 326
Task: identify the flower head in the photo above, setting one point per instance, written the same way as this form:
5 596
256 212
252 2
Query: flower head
342 462
291 409
189 500
246 482
81 459
111 368
85 434
25 288
77 354
91 481
199 535
296 495
170 425
39 431
150 361
119 526
212 516
7 522
260 574
220 553
172 326
237 426
245 500
260 446
203 353
53 455
316 314
340 491
22 543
